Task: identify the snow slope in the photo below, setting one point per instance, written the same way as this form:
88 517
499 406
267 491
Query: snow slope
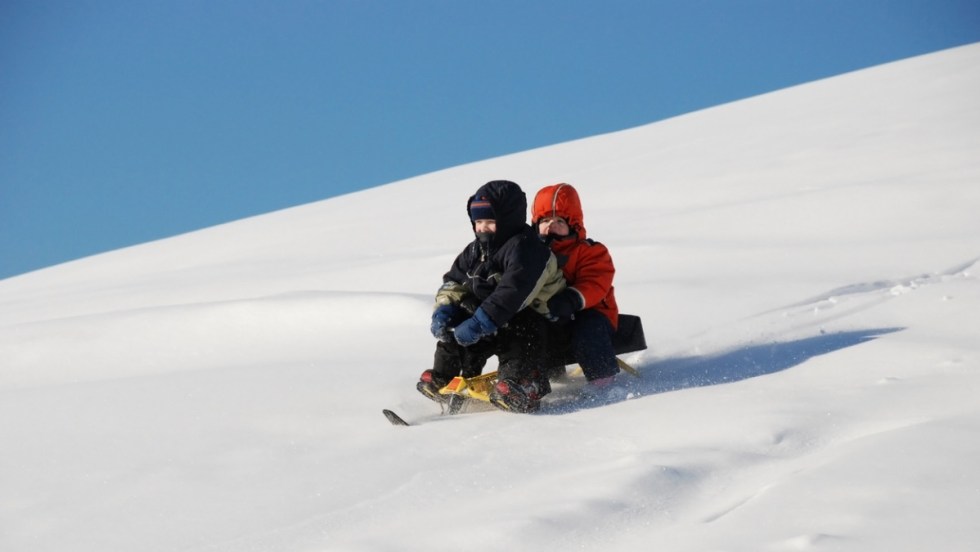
806 264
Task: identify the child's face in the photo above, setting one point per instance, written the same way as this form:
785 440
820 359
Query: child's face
485 225
555 226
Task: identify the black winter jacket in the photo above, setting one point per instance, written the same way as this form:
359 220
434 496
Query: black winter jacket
508 271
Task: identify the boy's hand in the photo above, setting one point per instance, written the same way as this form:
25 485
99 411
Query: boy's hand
441 317
474 329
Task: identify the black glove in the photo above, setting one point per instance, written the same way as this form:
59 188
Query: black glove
565 303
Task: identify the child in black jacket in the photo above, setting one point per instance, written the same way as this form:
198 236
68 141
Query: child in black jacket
482 308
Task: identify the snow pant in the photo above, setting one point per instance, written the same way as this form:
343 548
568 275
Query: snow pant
587 340
518 346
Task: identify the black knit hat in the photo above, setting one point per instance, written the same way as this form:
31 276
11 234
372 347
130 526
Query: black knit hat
481 209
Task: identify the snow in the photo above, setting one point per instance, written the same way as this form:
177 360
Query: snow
806 264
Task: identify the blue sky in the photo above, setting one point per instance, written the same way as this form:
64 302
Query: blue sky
127 121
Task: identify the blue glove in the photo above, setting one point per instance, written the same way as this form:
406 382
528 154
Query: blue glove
441 317
474 329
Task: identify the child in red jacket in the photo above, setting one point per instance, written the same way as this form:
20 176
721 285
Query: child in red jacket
585 313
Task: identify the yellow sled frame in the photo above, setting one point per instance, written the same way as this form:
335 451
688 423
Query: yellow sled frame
479 387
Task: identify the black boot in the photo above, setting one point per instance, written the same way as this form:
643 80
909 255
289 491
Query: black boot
509 394
430 383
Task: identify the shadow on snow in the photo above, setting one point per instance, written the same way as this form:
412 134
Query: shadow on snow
672 374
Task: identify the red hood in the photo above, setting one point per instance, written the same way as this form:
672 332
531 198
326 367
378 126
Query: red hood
560 200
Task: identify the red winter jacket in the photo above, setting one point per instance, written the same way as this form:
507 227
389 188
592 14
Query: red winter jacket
587 265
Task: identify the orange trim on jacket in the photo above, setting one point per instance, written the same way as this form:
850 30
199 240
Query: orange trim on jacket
586 264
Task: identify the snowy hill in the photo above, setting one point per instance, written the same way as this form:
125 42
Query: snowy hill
807 266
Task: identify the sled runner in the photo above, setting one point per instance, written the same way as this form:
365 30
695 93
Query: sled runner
628 338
